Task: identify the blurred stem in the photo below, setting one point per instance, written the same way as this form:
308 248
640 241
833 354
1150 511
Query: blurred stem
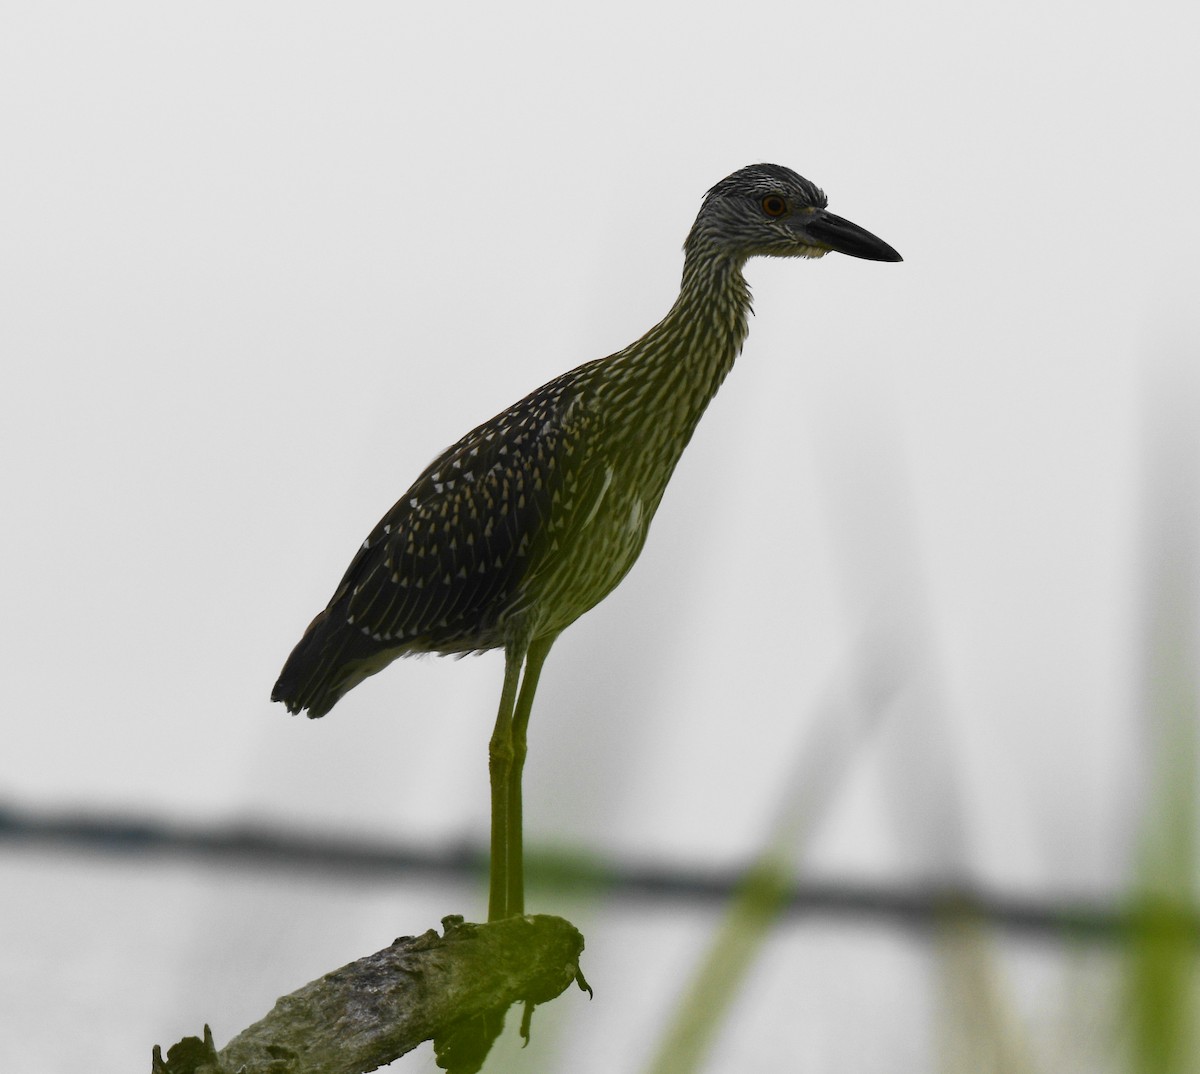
1159 977
981 1031
1161 957
837 732
756 906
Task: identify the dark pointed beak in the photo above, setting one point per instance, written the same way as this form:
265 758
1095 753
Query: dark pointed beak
847 238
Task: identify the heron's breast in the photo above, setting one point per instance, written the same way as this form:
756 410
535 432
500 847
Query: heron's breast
593 549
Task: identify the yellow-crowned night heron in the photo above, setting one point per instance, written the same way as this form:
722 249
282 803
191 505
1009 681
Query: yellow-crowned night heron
534 517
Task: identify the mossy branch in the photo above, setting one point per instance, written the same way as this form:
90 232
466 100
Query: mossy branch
453 989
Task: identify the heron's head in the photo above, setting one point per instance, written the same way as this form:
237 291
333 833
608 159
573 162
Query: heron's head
769 210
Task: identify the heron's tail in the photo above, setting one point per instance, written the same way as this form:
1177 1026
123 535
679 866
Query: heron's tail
321 668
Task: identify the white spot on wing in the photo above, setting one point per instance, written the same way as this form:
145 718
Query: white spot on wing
608 476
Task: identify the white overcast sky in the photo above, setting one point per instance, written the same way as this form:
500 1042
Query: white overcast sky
259 262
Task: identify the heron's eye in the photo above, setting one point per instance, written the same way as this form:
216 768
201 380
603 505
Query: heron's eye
774 205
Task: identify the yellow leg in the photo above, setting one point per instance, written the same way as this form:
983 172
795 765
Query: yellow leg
500 764
534 659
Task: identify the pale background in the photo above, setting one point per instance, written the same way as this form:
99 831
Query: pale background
260 262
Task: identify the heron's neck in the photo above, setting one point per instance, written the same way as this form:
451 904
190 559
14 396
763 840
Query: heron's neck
675 369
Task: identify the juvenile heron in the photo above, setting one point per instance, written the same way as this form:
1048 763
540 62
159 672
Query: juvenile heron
534 517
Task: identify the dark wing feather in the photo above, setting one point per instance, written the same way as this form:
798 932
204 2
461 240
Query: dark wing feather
446 565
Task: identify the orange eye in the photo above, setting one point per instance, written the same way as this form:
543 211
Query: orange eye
774 205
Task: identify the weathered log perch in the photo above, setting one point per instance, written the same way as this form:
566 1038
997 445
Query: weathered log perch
452 989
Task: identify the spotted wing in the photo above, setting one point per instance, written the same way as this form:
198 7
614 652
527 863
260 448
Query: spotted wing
447 566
